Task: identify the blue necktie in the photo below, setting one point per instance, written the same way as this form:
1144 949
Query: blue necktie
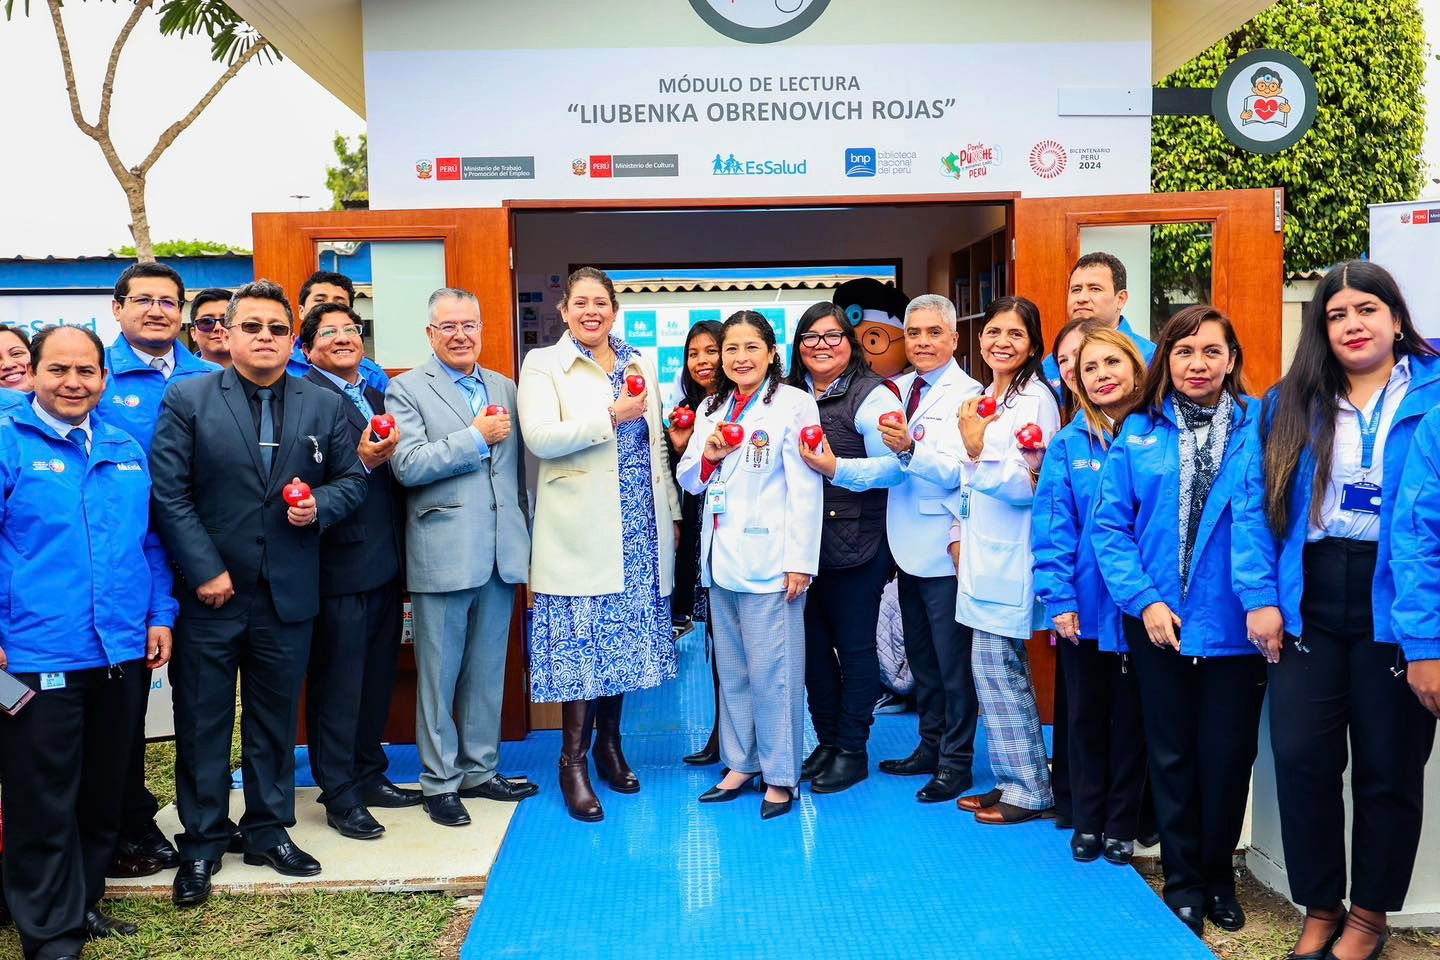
267 427
356 393
471 388
77 437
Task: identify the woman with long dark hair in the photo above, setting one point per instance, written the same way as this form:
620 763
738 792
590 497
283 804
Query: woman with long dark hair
1337 431
996 584
842 666
1106 743
1171 543
760 549
690 601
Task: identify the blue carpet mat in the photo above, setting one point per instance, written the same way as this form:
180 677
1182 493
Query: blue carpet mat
868 873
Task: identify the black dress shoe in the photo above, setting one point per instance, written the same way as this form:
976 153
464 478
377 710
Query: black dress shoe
385 795
706 755
922 760
151 844
128 866
1225 912
98 925
192 882
770 809
1324 952
1149 839
1119 852
285 859
447 810
354 823
1190 916
502 789
237 840
719 794
847 768
818 760
1085 847
1064 821
947 784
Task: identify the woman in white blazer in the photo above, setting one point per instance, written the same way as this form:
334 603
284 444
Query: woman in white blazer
996 588
760 546
604 534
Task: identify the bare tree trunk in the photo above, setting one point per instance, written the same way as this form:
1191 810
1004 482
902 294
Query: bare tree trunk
132 179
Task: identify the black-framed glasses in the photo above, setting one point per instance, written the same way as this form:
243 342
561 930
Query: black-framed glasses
831 338
253 328
207 324
168 304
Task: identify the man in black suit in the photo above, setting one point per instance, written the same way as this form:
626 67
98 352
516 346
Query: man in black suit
357 634
249 566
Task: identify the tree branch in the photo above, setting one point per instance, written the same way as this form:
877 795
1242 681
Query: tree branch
65 61
178 127
107 88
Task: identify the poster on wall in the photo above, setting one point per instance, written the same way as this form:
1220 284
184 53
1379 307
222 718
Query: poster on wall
748 120
1405 239
33 312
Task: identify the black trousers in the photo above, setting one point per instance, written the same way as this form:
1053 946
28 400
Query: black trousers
1202 727
938 649
138 804
347 692
1106 740
1060 745
842 668
1334 682
270 657
60 760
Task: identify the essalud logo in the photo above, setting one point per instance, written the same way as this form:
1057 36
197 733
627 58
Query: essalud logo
725 165
759 21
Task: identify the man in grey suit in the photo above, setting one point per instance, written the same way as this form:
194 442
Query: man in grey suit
467 546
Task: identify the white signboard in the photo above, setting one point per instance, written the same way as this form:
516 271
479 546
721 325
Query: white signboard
33 312
160 715
750 120
1405 239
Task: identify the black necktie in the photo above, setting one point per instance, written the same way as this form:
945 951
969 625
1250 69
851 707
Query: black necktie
267 427
912 403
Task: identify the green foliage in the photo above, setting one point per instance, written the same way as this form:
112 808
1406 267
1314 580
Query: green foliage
184 248
349 183
1365 147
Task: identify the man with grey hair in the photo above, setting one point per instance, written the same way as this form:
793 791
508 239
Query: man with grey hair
467 547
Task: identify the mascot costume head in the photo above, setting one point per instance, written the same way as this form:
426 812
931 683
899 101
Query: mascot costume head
877 312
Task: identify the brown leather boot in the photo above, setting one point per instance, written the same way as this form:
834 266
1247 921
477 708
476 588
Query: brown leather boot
609 761
580 799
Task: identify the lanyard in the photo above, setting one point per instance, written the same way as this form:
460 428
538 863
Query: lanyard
1370 431
734 399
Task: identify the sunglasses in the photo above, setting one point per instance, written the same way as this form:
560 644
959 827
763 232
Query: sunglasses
208 324
253 328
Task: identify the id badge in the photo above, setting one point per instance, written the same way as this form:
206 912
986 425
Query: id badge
715 497
964 504
52 681
1360 498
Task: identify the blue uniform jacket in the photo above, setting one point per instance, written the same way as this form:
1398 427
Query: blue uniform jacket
1415 544
81 573
370 371
1067 575
11 400
1282 577
1146 348
1137 532
133 390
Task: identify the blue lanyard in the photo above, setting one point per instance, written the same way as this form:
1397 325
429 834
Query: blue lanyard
1370 431
734 399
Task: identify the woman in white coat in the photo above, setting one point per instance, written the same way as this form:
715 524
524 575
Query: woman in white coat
760 546
604 535
996 595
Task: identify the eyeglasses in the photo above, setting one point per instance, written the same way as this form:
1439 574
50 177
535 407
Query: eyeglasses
208 324
831 338
329 333
877 339
253 328
450 329
168 304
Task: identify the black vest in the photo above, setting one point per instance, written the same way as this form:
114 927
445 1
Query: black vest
854 523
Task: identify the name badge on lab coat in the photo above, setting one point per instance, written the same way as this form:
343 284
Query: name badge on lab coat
715 497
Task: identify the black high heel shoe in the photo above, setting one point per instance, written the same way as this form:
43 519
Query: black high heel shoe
705 756
719 794
1324 951
1382 935
770 809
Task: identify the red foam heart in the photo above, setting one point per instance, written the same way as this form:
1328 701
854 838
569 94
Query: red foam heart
1265 109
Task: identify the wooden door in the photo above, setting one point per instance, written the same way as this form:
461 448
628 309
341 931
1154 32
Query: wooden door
1246 277
477 259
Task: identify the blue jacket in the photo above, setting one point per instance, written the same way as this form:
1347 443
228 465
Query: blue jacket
81 574
1415 544
1282 578
1067 575
1137 532
11 400
133 390
1052 369
370 371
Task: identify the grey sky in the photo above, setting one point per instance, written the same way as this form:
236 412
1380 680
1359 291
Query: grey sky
265 137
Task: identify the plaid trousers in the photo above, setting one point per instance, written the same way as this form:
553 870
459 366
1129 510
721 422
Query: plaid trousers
1012 720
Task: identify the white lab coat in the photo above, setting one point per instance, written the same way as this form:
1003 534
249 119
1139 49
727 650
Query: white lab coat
917 519
773 500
